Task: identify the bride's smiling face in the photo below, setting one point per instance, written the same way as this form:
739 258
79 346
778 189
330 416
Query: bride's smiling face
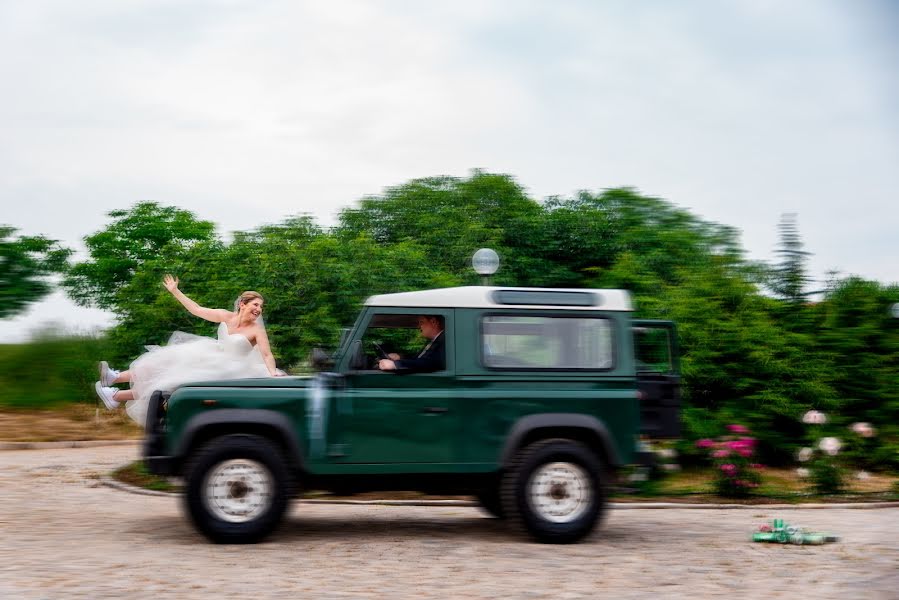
253 308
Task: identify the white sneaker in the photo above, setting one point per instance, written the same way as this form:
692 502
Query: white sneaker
107 395
107 375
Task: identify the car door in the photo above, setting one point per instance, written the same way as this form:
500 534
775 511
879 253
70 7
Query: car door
387 417
658 377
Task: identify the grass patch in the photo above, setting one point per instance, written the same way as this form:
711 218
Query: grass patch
777 485
136 474
49 372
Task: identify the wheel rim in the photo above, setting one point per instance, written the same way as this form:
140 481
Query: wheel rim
560 492
239 490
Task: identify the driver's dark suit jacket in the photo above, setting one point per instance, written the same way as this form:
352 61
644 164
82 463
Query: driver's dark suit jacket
432 358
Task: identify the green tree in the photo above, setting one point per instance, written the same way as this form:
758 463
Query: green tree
449 218
26 262
146 232
739 364
313 284
861 340
790 279
620 238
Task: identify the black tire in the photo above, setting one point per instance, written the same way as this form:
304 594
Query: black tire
491 503
253 472
575 491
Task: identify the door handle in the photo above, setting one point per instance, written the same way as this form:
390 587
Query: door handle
435 410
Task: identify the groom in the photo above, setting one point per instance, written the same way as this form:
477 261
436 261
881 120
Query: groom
432 358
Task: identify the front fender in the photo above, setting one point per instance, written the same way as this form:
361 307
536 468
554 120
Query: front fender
241 420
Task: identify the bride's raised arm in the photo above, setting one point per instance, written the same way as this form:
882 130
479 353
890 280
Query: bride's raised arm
216 315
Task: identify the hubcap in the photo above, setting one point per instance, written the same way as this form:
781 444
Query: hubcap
238 490
560 492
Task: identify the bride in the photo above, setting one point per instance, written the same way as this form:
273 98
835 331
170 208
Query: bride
241 350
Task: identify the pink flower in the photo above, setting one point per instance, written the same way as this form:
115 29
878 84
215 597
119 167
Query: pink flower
721 453
705 443
757 466
863 429
729 469
743 446
737 428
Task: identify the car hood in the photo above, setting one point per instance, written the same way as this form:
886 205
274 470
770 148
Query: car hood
260 382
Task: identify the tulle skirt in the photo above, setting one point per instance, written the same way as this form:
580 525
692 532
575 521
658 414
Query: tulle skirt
184 359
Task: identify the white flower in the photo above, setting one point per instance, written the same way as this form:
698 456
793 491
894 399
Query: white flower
814 417
863 429
863 475
671 467
804 454
830 445
667 453
802 472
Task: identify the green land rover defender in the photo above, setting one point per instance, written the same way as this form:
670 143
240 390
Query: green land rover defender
539 397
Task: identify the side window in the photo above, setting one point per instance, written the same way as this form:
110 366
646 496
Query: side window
414 341
536 342
652 346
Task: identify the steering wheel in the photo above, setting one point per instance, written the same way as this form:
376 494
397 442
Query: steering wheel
380 350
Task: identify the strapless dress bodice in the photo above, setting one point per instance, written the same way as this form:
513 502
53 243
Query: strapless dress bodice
233 343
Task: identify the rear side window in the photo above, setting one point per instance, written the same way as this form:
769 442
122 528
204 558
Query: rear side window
555 343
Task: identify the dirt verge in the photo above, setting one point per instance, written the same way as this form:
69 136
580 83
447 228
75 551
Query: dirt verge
66 424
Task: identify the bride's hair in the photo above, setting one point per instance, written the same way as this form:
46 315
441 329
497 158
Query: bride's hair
247 296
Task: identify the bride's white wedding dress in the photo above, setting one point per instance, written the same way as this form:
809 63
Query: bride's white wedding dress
189 358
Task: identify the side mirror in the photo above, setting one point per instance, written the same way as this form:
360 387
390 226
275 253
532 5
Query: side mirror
320 359
357 360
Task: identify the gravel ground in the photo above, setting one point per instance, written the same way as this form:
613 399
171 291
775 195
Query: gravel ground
66 536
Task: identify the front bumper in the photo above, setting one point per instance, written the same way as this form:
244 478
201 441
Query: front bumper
161 465
155 456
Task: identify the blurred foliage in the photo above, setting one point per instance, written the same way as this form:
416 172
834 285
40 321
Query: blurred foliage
749 356
51 370
145 232
25 264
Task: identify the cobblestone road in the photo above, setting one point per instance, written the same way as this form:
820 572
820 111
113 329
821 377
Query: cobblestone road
66 536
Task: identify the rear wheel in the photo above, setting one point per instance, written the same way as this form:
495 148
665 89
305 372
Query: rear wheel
237 489
555 491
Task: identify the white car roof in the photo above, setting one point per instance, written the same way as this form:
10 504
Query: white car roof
508 297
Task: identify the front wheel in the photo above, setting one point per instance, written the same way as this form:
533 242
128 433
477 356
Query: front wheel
555 491
237 489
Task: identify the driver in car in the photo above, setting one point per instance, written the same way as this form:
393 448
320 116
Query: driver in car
431 358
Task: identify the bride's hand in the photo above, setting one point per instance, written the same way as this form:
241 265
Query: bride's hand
170 283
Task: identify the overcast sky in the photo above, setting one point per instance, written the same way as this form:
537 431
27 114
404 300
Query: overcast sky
248 111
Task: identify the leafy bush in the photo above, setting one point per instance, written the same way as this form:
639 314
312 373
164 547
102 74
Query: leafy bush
827 476
736 473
